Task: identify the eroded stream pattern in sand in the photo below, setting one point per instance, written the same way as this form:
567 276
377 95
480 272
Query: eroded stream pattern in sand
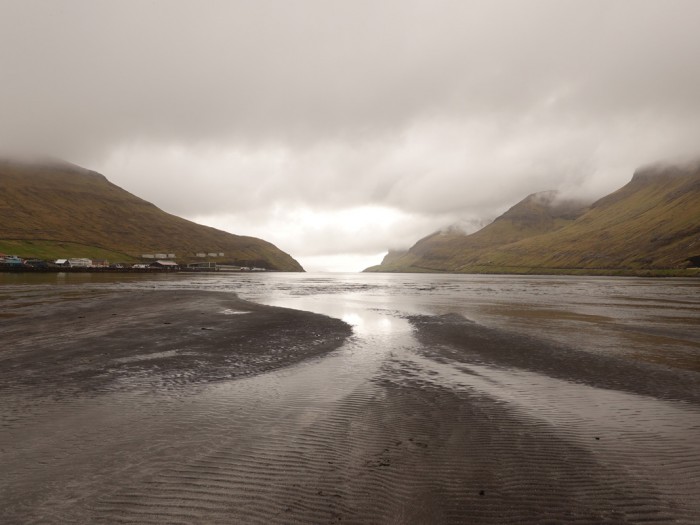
458 399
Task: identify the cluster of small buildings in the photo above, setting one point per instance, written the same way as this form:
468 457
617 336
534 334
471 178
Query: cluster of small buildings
216 267
15 262
100 263
158 256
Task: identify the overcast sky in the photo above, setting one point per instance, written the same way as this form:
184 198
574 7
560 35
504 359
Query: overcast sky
339 129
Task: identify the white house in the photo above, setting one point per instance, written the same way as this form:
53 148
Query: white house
79 263
166 265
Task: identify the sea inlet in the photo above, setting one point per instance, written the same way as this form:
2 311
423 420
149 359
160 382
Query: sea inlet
348 398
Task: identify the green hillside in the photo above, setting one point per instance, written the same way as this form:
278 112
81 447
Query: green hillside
53 210
446 250
651 224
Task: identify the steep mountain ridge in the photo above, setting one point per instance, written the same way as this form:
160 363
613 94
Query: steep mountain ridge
536 214
651 223
57 202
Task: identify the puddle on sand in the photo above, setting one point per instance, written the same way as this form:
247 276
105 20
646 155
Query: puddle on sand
229 311
155 355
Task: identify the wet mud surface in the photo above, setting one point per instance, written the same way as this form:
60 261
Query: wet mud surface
461 339
168 337
185 405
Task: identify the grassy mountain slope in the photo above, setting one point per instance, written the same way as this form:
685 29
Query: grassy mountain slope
447 250
57 209
652 223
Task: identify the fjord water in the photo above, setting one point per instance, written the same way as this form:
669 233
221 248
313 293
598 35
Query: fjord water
485 399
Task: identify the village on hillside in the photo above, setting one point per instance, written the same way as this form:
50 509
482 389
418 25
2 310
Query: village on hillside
151 262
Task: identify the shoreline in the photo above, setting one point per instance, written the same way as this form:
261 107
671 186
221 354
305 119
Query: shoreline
558 272
10 269
528 272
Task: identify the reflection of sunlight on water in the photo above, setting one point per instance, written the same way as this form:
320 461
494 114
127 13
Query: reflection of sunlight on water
354 320
356 310
373 323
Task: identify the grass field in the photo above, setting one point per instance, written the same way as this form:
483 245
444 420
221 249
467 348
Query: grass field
49 250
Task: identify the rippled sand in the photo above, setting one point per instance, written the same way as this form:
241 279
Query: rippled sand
195 407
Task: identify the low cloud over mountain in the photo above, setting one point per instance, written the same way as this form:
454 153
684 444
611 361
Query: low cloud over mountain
256 115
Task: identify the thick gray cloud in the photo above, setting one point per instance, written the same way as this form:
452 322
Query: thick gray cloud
298 121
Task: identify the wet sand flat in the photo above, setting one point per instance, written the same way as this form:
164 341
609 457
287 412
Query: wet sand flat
102 340
184 406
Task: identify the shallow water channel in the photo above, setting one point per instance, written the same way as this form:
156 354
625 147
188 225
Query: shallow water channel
483 399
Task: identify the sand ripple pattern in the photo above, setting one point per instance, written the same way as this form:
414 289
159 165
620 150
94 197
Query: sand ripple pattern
424 441
407 422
